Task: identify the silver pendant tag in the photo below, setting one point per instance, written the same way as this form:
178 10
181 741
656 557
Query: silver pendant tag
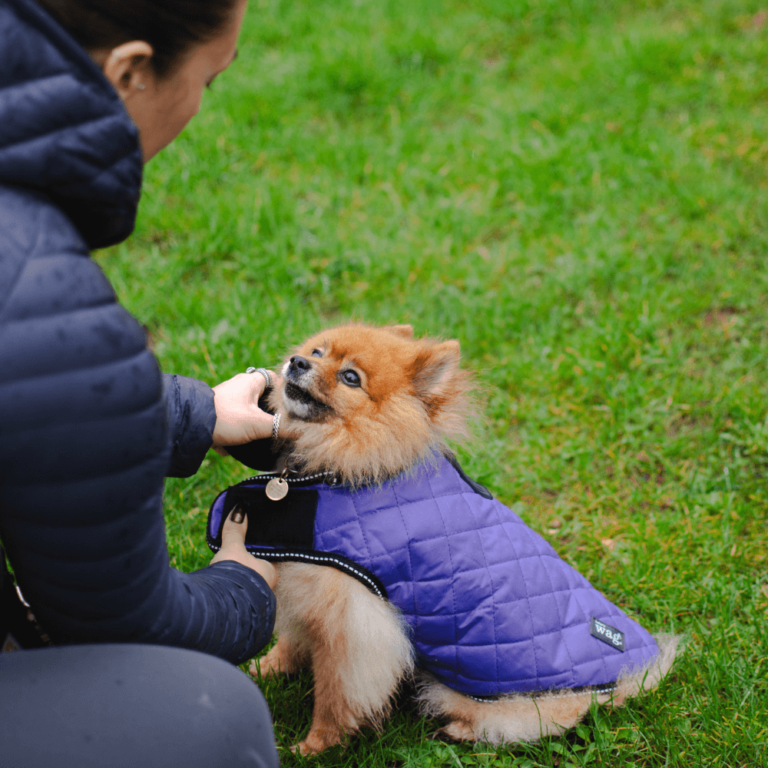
277 489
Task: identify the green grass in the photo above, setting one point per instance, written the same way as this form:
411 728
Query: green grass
574 189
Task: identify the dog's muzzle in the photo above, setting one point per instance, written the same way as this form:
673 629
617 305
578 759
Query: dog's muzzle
299 401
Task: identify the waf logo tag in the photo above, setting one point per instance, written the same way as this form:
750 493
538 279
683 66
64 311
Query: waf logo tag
607 634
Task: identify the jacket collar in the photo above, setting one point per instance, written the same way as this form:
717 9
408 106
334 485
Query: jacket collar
63 130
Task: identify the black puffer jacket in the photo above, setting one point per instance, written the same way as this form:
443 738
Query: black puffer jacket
88 425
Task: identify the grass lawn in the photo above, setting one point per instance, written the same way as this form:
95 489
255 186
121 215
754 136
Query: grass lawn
577 191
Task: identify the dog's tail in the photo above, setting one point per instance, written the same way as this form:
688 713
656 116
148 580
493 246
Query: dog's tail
646 679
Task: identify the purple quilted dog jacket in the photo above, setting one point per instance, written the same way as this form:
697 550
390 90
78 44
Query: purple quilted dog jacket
491 606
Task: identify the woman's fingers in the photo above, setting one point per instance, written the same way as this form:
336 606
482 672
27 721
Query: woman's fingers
238 416
233 538
256 383
235 527
233 547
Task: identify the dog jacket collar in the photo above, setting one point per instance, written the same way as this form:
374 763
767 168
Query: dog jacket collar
491 607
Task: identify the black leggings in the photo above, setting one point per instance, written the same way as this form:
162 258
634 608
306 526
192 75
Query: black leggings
132 706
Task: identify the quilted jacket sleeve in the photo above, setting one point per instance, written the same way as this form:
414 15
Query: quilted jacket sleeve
84 447
191 419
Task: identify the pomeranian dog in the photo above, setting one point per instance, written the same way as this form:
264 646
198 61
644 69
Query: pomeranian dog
394 565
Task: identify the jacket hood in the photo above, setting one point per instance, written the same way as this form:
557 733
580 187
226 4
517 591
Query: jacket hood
63 130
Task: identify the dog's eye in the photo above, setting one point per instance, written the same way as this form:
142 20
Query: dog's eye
317 353
350 378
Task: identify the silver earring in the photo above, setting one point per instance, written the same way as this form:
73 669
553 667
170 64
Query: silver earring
141 86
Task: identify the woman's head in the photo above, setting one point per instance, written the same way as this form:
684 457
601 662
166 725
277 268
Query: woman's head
159 54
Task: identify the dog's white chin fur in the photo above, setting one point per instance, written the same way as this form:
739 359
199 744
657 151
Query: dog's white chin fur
295 408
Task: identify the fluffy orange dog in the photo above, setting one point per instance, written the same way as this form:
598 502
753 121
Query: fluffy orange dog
365 408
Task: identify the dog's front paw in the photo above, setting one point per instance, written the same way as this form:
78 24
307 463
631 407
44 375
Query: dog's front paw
318 740
309 747
303 748
272 663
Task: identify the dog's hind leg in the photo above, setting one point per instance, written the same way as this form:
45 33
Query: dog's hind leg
522 717
360 653
508 719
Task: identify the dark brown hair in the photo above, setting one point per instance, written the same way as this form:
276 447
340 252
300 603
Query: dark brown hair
171 27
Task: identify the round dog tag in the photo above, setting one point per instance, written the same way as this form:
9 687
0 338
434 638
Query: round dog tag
277 489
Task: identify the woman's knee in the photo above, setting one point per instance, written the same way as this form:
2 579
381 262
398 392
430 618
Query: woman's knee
129 705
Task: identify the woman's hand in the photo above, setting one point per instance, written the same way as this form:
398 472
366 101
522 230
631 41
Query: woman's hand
238 416
233 547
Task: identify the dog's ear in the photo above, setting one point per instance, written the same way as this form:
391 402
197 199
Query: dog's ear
434 368
406 331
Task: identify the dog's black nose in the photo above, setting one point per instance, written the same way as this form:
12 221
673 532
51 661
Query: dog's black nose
299 365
